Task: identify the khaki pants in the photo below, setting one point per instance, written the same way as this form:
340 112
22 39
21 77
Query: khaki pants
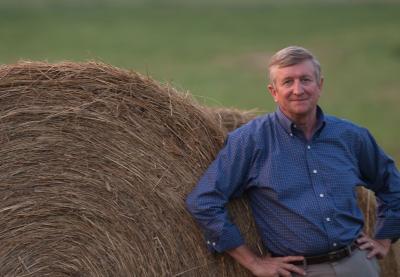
357 265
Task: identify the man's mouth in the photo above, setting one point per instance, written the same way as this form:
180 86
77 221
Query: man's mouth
299 100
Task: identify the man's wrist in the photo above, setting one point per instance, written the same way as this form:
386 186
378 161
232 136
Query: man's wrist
246 257
253 264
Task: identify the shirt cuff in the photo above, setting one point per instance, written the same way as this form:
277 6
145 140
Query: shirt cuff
230 238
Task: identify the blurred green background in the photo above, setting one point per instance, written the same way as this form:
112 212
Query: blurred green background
218 50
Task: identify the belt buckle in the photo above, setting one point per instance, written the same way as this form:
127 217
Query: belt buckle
341 253
333 256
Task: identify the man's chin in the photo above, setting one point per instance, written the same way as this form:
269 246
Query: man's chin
301 110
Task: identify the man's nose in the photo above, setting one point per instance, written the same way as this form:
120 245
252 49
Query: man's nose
298 87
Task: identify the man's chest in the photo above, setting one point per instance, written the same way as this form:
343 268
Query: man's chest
324 167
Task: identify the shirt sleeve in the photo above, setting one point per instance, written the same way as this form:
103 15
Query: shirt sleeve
381 175
224 179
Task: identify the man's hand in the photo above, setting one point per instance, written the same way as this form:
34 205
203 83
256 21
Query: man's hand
266 266
276 267
377 248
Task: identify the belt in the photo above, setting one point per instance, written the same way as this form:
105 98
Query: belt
330 257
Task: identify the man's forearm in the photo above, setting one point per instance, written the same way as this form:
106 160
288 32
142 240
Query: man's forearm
266 266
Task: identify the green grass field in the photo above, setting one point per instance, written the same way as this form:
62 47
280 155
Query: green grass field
218 50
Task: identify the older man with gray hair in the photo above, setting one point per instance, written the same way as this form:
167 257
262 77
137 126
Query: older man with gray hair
300 168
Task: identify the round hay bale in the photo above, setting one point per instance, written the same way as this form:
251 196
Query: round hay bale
95 165
231 119
367 203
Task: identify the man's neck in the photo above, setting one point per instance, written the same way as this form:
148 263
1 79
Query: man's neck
306 124
308 128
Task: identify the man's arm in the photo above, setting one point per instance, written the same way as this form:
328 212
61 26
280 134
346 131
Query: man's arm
225 178
380 174
265 266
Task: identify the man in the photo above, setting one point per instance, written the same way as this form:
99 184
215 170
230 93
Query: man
300 169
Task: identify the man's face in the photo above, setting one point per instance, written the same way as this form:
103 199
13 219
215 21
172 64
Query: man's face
296 89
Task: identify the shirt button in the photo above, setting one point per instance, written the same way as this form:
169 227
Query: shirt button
334 244
321 195
308 147
291 134
314 171
208 242
328 219
213 244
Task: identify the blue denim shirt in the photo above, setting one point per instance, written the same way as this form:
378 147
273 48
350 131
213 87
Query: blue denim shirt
302 193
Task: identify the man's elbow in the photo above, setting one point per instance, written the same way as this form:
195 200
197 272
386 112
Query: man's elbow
194 205
191 204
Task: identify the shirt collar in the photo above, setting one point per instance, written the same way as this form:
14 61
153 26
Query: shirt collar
289 125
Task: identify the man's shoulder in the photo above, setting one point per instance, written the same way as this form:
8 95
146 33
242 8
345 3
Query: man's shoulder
344 125
252 130
255 125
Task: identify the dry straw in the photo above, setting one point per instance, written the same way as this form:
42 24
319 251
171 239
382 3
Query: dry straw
230 118
95 164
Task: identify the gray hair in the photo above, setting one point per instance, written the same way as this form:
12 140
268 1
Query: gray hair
293 55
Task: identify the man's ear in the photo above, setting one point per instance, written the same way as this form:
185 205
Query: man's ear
320 86
272 91
321 83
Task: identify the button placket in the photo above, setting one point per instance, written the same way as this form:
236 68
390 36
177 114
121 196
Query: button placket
317 182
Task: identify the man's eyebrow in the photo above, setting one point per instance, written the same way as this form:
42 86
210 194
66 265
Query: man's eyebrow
286 78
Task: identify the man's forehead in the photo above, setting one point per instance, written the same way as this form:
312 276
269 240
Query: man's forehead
305 68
